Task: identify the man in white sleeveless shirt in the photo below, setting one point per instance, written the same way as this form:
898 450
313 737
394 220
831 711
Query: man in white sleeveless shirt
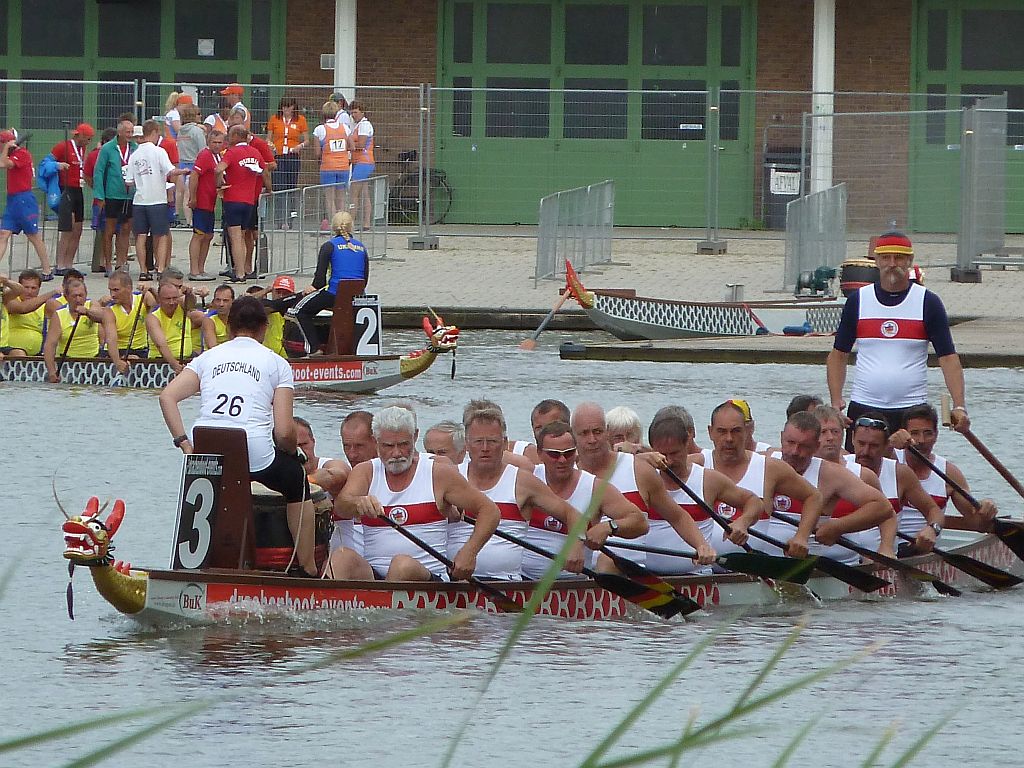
583 491
543 413
921 429
758 474
638 481
448 439
515 491
411 490
511 456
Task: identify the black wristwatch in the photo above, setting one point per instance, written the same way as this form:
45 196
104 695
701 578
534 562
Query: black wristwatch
937 527
613 527
179 440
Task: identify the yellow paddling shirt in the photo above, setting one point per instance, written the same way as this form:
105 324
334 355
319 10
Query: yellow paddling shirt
26 330
86 339
172 328
274 339
5 326
125 320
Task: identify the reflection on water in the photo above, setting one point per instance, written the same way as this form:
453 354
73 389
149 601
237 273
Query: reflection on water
565 684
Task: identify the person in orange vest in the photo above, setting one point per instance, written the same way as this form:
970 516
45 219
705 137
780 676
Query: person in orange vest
362 165
332 148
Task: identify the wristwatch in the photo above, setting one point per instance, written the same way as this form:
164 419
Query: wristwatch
613 527
937 527
179 440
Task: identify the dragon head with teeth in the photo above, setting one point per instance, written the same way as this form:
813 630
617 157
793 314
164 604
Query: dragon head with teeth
87 538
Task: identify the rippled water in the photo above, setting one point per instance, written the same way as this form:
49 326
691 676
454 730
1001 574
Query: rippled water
565 685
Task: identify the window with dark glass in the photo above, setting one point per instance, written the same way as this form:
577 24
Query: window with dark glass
938 30
732 35
261 27
52 27
729 111
596 34
522 114
462 107
129 30
675 35
673 110
1014 103
3 27
600 113
518 34
462 34
935 123
113 100
45 105
992 40
196 20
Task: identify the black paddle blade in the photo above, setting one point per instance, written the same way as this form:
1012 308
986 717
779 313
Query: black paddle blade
994 577
647 595
1011 534
769 566
856 578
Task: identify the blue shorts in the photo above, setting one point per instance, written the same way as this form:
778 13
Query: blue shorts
362 171
150 219
21 213
189 166
202 221
236 214
334 177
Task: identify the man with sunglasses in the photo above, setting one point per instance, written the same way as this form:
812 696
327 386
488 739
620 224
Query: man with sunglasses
638 481
545 412
899 483
892 323
921 429
760 475
581 490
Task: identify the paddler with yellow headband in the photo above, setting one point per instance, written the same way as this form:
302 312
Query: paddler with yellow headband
75 330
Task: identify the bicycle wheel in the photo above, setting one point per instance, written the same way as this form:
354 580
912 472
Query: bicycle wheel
403 200
440 196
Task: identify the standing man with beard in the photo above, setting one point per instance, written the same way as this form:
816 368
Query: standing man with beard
892 323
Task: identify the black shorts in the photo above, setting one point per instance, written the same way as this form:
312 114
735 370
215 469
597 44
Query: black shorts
71 209
118 209
286 475
253 223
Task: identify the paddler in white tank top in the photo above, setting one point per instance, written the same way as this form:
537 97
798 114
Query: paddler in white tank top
868 506
330 475
515 491
545 412
921 429
758 474
669 436
637 480
899 483
410 489
558 471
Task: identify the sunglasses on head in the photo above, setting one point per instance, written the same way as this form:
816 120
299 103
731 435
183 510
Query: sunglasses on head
867 421
554 453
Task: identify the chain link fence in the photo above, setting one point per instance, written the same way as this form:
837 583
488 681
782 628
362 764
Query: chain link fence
575 224
815 233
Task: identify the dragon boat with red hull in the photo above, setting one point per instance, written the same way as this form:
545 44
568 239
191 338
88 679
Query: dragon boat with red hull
224 563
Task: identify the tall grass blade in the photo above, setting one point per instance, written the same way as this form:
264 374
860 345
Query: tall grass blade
921 742
70 729
887 735
783 760
773 662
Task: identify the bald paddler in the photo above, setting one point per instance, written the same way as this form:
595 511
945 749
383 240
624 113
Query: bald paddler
74 331
170 328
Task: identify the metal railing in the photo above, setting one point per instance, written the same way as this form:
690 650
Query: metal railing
575 224
815 233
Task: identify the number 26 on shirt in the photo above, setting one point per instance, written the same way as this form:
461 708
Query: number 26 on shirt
229 406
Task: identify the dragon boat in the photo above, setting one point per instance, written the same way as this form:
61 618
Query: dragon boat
359 373
226 564
637 318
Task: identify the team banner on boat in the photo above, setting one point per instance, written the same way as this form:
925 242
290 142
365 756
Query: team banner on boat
198 503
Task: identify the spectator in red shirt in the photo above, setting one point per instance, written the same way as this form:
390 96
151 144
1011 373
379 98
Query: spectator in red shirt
22 211
202 200
251 228
240 173
70 156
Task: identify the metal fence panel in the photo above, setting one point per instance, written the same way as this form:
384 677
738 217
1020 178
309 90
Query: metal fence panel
815 233
575 224
318 203
983 192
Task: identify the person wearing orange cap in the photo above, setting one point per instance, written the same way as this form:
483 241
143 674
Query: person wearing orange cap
22 211
892 322
70 155
233 98
172 116
282 298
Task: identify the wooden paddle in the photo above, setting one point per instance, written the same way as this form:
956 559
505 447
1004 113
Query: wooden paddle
983 572
135 322
990 457
752 563
910 570
1010 532
530 344
71 336
649 591
501 601
865 582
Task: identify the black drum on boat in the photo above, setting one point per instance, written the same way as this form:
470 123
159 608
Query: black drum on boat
274 541
856 273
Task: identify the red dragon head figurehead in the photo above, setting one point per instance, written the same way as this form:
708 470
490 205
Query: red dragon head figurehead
87 538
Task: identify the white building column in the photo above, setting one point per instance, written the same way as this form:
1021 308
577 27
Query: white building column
823 83
345 47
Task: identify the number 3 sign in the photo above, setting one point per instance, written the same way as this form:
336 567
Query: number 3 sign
197 510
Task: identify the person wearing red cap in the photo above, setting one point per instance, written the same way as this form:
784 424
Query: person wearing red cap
70 155
22 211
282 298
892 322
233 97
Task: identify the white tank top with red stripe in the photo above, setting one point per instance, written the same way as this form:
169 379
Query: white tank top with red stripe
911 521
499 559
548 532
752 480
892 351
413 507
662 534
783 503
886 476
623 478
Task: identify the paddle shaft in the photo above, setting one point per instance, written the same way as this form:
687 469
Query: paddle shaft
655 550
997 465
71 337
989 574
504 600
547 318
954 485
135 322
